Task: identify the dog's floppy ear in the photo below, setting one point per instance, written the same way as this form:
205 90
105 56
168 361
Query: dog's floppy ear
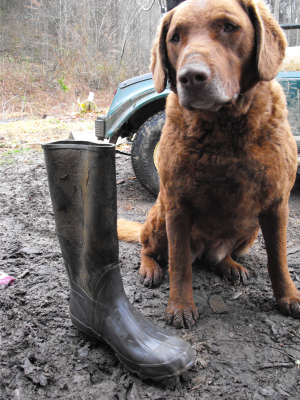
270 41
159 55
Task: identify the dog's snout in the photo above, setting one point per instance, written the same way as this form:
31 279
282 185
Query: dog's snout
194 75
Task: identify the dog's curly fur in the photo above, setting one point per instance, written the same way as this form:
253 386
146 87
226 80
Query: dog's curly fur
227 158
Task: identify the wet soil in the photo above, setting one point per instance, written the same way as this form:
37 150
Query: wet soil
245 348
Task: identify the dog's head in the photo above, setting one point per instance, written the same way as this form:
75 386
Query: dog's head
213 50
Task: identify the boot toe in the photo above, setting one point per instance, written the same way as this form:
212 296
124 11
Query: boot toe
171 358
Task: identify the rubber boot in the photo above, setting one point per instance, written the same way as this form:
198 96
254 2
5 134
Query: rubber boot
82 184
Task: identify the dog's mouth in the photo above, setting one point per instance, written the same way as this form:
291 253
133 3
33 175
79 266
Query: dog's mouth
211 98
207 104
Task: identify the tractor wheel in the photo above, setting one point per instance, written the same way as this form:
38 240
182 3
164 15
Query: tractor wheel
143 152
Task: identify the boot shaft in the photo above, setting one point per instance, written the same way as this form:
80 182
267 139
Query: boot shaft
82 183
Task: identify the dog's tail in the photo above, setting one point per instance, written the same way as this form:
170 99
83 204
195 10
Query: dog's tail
129 231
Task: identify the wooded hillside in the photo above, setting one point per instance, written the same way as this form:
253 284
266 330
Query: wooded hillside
76 46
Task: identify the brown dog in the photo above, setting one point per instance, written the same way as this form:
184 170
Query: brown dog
227 158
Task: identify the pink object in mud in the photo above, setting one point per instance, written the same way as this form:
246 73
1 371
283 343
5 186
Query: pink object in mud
6 279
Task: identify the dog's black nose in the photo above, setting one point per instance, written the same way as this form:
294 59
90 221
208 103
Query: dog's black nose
194 75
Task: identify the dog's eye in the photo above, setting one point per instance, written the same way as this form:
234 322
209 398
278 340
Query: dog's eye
229 27
175 38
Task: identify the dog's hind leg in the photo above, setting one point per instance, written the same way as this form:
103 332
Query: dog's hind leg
155 243
150 272
232 271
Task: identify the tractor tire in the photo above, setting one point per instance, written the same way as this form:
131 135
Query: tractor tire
143 149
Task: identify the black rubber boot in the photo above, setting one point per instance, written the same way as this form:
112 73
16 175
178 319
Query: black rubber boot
82 185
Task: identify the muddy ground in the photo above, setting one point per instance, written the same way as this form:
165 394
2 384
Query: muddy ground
245 348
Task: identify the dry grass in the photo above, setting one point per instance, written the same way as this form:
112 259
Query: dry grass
32 132
292 59
291 66
28 88
34 109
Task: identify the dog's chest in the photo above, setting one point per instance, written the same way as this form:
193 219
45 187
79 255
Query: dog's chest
220 167
223 172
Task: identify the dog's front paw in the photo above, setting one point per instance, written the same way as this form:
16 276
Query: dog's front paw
233 271
290 305
181 315
150 273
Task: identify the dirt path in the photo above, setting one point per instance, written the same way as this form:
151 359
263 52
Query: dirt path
245 348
